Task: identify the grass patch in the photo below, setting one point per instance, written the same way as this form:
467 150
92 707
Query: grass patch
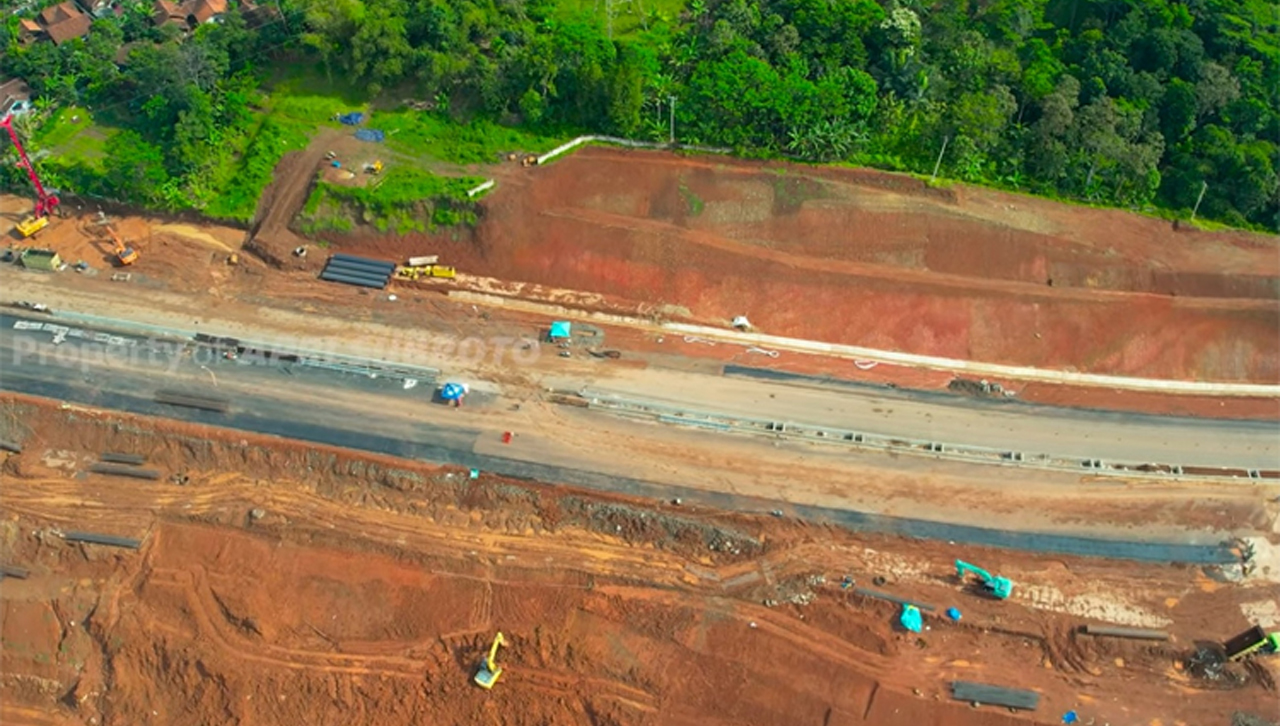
71 135
694 202
404 200
479 141
292 111
62 125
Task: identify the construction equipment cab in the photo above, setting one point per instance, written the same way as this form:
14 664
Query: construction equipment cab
1000 587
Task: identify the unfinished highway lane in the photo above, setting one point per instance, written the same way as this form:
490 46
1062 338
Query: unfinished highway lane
322 411
29 343
948 419
391 417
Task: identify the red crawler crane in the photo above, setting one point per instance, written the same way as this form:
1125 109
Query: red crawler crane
46 201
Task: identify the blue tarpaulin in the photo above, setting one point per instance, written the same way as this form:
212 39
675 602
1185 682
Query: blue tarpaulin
560 329
453 391
911 619
351 119
370 135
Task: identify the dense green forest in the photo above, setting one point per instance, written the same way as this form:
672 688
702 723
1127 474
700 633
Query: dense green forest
1134 103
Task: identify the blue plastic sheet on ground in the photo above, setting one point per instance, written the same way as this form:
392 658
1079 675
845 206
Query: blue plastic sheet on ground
351 119
1070 717
370 135
953 613
453 391
560 329
911 619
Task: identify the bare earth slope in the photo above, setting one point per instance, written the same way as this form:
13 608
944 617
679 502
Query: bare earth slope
884 261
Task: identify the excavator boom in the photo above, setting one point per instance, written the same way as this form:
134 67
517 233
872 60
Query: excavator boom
964 568
124 255
1001 587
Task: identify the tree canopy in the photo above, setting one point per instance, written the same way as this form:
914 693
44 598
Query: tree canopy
1133 103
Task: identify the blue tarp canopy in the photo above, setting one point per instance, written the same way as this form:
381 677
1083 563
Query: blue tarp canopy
911 619
560 329
351 119
453 391
370 135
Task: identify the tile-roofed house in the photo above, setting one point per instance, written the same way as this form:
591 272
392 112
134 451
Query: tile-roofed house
205 11
168 13
29 30
69 29
122 55
15 97
58 13
64 21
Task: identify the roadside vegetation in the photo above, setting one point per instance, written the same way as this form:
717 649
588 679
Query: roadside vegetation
1143 104
404 200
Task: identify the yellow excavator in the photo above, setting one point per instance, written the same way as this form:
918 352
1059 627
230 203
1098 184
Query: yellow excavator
489 671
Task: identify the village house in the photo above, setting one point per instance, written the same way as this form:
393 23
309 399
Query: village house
15 97
58 23
188 15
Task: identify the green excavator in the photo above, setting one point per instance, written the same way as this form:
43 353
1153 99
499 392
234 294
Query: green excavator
1000 587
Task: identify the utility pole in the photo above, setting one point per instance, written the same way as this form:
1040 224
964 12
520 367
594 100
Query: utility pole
673 120
1204 186
938 164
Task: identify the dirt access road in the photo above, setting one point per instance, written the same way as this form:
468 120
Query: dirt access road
269 236
366 591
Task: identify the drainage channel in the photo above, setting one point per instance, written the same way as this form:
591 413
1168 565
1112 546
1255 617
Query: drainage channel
864 441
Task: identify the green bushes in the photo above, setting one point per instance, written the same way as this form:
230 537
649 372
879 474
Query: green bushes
404 200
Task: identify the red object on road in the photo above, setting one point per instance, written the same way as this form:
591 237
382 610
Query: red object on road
506 437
